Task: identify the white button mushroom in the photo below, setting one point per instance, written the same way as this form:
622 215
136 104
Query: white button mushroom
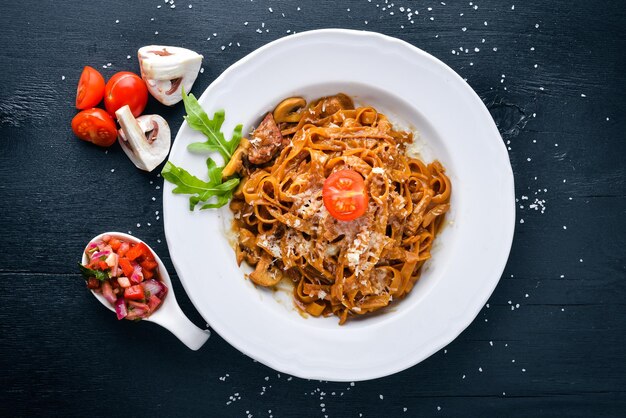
167 69
145 140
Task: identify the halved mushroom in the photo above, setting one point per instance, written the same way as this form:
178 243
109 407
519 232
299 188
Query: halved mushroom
167 69
145 140
236 161
264 274
289 110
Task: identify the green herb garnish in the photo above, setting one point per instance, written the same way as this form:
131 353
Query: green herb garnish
186 183
89 273
200 190
198 120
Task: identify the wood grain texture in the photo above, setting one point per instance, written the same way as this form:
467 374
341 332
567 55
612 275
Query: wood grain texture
551 341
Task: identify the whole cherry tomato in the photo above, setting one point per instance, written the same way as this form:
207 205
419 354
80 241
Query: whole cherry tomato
344 195
90 88
96 126
125 88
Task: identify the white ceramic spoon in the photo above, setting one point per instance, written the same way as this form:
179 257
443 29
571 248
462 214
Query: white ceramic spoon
168 315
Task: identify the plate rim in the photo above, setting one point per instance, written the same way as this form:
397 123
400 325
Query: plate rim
468 317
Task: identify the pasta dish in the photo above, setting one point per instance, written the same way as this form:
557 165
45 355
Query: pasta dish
330 200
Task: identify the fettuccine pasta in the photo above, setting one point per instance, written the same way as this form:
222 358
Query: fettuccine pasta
342 268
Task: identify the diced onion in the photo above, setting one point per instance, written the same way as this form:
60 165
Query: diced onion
120 308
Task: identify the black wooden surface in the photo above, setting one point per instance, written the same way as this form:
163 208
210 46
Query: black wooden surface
551 342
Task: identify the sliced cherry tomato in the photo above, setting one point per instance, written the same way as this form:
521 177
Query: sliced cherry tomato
126 266
134 292
125 88
90 88
96 126
344 195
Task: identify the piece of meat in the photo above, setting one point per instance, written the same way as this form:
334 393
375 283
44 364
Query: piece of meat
266 141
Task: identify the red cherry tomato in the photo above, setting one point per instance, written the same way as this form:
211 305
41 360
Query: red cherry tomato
95 125
90 88
125 88
344 195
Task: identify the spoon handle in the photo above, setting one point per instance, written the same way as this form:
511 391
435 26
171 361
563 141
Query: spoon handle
179 325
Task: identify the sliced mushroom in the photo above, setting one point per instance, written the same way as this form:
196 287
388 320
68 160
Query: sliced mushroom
167 70
264 275
289 110
236 161
145 140
333 104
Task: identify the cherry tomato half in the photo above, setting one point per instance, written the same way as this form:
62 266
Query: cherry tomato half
90 88
125 88
95 125
344 195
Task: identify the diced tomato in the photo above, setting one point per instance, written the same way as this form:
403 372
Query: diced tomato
148 274
133 253
103 265
124 247
123 281
126 266
134 292
93 283
147 254
115 244
148 265
153 302
139 250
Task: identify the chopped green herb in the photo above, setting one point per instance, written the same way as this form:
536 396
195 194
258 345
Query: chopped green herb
198 120
89 273
200 190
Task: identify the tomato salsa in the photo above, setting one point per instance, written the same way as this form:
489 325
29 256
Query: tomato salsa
126 274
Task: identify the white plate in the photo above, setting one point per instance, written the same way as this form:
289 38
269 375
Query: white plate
414 89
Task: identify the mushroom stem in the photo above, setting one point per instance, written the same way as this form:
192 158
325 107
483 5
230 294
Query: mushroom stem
145 140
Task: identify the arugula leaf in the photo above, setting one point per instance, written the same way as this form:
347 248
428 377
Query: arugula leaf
88 273
211 128
200 190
